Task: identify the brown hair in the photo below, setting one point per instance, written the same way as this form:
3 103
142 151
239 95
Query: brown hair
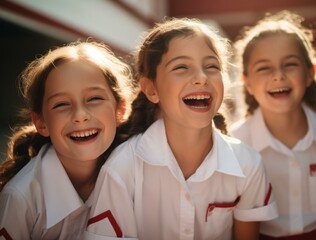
25 142
149 55
286 23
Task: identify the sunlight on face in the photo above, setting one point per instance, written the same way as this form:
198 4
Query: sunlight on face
78 112
189 82
277 74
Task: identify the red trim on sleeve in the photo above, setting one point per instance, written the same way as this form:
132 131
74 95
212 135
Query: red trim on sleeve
212 206
109 215
267 198
312 170
5 234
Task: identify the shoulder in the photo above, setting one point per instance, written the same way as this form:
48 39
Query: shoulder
241 126
28 180
26 177
123 153
121 162
246 156
241 148
24 191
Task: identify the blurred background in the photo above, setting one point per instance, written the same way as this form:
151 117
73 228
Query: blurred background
29 28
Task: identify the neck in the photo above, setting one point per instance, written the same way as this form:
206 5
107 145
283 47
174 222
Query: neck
190 147
83 177
288 128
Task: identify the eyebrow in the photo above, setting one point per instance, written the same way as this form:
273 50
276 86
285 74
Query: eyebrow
187 57
285 58
65 93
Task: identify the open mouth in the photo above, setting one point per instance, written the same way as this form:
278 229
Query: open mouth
84 135
198 101
279 92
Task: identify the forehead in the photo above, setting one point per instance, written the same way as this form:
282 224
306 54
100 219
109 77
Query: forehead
189 45
74 75
280 45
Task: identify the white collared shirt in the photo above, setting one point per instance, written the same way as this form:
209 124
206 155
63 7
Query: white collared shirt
40 202
142 193
292 173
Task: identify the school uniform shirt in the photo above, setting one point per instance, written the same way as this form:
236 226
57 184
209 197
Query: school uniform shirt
40 202
141 191
292 173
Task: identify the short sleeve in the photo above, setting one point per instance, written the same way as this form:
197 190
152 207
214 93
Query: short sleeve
15 215
257 202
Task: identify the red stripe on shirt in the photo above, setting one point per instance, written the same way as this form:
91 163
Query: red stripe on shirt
5 234
212 206
109 215
267 199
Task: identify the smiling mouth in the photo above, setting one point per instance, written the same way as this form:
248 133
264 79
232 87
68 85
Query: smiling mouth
279 91
84 135
198 101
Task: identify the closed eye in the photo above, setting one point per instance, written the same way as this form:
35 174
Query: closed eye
95 98
291 64
180 67
60 104
213 66
260 69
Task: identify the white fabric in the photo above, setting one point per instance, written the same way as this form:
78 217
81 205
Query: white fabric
289 172
40 202
144 188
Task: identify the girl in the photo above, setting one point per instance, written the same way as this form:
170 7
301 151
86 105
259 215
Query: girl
75 95
180 178
280 92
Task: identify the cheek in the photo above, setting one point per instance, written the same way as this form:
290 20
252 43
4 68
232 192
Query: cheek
219 88
109 116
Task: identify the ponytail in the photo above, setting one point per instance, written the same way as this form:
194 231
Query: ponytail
23 145
220 123
143 114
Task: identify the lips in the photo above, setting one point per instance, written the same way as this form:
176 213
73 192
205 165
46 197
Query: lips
198 100
280 91
84 135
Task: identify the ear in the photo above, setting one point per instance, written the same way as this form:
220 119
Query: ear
120 112
148 88
40 125
247 84
311 76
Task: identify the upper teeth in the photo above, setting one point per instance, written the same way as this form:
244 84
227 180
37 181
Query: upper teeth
279 90
84 134
198 97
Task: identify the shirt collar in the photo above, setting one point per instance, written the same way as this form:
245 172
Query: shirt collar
154 149
259 129
310 136
59 194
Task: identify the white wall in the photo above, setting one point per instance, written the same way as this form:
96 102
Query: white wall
149 8
103 19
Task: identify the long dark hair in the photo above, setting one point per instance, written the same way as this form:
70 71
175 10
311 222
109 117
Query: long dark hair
25 141
148 57
285 23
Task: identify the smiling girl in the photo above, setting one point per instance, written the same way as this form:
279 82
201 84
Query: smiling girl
178 177
75 96
280 92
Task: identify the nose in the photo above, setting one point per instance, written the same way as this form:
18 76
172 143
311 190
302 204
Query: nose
199 78
80 114
278 75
